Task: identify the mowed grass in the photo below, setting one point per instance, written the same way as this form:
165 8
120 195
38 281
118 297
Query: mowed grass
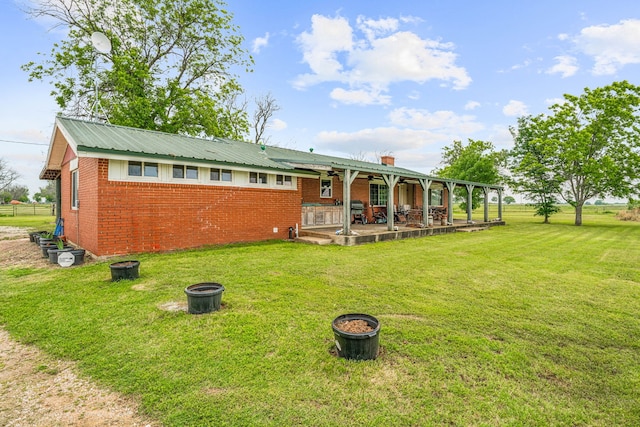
526 324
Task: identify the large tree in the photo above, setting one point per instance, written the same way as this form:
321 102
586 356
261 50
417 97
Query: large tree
531 172
589 146
7 175
476 162
48 192
170 67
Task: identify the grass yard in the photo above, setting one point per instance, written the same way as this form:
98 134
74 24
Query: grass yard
526 324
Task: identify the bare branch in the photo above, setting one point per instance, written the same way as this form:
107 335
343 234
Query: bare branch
266 106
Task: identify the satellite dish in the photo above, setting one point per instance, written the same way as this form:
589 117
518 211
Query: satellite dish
101 42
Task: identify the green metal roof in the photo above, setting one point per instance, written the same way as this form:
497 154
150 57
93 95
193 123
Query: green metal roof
93 137
106 138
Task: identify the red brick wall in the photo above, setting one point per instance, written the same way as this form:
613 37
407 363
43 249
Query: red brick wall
133 217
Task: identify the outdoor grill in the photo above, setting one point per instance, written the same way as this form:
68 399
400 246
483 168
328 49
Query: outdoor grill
357 212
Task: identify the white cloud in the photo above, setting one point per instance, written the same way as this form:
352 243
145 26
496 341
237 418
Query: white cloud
360 97
515 108
566 65
443 121
321 47
277 124
553 101
368 64
260 42
611 46
471 105
409 130
377 139
372 28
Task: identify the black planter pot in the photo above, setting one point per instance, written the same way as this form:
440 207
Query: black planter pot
79 256
204 297
46 246
357 346
34 235
125 270
53 253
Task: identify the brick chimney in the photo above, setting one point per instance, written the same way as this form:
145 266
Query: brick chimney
388 160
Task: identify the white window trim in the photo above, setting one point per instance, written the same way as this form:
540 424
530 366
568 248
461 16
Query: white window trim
330 196
119 171
75 181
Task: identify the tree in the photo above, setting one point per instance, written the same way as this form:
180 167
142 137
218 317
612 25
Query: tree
589 146
531 173
169 67
7 175
509 199
16 192
476 162
266 106
48 193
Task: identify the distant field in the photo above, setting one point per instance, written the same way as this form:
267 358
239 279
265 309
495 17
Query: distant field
26 209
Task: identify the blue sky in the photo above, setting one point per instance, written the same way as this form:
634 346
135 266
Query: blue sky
357 78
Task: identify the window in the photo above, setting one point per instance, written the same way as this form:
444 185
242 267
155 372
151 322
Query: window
192 172
220 175
283 180
138 168
151 169
178 171
74 189
378 194
326 188
135 168
257 178
435 197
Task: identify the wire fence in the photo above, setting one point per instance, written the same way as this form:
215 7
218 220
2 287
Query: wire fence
44 209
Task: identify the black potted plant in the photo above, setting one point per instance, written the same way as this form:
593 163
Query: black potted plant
356 336
55 251
125 270
204 297
78 255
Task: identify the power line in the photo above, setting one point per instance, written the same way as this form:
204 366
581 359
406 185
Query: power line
23 142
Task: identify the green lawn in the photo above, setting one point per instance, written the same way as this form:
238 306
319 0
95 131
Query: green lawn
526 324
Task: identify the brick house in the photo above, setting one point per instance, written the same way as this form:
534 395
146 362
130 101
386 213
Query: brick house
124 190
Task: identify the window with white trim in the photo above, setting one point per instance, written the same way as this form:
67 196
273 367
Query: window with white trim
74 189
192 172
178 171
142 168
257 178
284 180
224 175
326 188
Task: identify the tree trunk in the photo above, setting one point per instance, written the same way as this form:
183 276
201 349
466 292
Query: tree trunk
578 214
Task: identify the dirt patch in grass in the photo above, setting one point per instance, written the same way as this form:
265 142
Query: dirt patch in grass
19 253
38 391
